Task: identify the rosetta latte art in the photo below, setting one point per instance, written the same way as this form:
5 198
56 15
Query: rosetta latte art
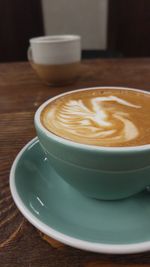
101 120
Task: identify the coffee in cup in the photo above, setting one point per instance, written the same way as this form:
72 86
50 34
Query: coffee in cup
98 140
56 59
101 117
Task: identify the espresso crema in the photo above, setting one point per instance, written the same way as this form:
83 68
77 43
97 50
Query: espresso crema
101 117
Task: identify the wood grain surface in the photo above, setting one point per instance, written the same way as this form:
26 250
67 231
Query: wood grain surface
21 92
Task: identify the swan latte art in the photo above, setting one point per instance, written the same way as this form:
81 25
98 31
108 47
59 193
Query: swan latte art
101 117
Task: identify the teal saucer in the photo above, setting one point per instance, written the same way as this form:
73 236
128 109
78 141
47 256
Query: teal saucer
61 212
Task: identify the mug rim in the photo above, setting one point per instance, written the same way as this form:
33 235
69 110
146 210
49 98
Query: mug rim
81 145
61 38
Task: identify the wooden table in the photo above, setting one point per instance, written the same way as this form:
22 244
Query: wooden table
21 92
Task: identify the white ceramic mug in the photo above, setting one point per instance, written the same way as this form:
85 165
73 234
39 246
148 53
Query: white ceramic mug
57 49
56 58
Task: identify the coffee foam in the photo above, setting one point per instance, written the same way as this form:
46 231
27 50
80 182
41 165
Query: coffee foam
104 118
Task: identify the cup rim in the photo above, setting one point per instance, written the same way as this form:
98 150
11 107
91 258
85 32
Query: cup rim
62 38
81 145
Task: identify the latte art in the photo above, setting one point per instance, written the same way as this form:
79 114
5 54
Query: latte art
98 122
97 118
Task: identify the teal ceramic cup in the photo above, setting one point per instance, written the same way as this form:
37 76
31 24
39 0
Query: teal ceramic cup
106 173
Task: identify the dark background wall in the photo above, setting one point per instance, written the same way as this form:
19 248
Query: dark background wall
129 27
128 31
19 21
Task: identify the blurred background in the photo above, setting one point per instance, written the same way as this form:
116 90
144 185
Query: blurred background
109 28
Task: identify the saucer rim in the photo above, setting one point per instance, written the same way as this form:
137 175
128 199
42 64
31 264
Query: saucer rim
66 239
